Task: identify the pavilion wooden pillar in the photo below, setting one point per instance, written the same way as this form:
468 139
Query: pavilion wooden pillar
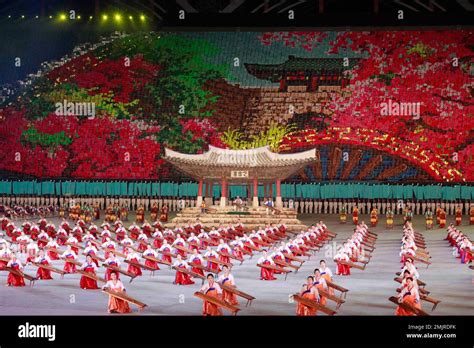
224 193
255 193
199 196
209 194
278 200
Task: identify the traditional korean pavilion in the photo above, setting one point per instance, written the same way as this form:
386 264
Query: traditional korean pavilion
309 72
251 167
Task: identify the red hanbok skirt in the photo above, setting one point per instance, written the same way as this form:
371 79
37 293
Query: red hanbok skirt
88 283
135 269
15 280
69 267
152 264
183 279
53 255
44 274
266 274
197 270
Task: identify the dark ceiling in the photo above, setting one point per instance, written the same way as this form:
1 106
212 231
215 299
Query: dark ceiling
261 13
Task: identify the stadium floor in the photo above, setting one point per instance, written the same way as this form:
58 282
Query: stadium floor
447 279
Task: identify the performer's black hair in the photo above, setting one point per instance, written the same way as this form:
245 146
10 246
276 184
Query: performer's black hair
312 278
210 275
316 270
322 261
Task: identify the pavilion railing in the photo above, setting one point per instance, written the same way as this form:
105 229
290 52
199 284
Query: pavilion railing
314 190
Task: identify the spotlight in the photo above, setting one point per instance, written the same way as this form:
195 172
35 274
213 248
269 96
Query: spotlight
79 17
130 17
142 17
62 17
90 17
36 17
9 16
105 17
22 17
50 17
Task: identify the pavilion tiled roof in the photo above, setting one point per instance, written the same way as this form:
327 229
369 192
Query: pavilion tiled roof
274 72
256 160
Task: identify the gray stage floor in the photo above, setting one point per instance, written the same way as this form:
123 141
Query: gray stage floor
447 279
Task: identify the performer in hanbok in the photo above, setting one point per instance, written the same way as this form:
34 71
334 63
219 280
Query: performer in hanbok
5 255
266 274
112 260
211 288
389 215
108 244
182 278
43 238
42 273
69 254
154 212
212 255
409 295
224 248
458 215
309 292
325 271
52 254
166 248
226 278
342 269
197 259
96 211
142 241
151 253
320 284
88 266
355 215
429 219
15 279
410 267
115 304
442 218
133 257
179 241
343 215
73 242
238 247
164 213
31 251
374 217
157 238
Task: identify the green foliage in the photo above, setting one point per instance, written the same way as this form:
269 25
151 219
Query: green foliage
183 72
38 106
386 78
35 138
172 136
273 136
422 49
105 105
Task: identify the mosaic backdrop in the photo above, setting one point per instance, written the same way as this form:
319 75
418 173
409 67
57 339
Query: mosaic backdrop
379 106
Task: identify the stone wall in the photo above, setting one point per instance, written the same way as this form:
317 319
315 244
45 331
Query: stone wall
254 109
231 104
271 105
